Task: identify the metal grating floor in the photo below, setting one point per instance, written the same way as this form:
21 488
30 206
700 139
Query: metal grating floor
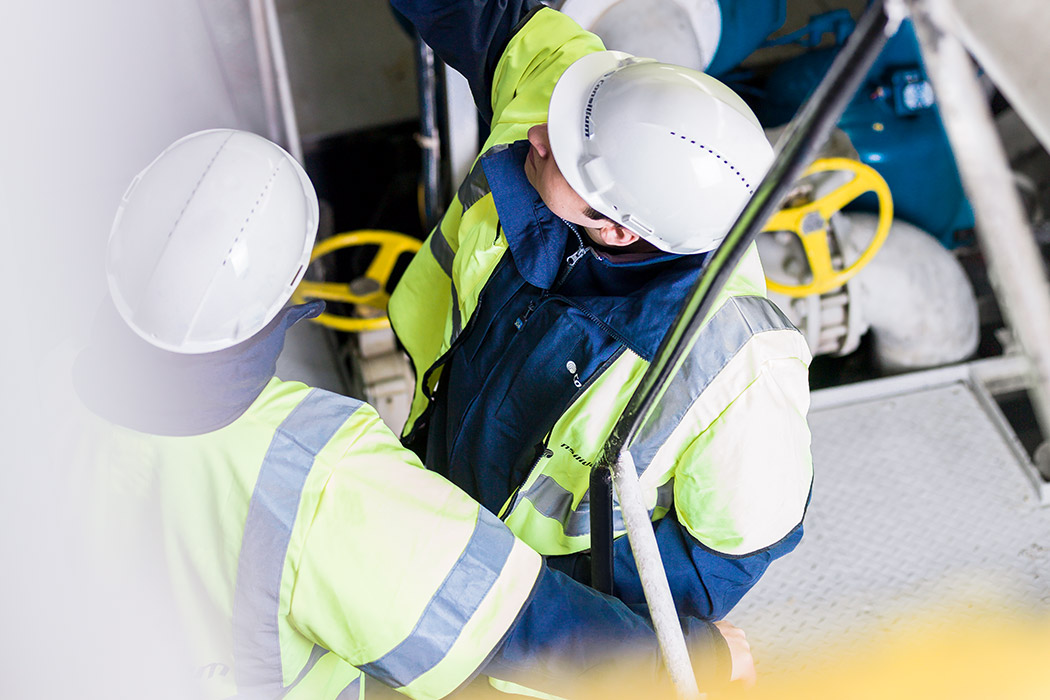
921 512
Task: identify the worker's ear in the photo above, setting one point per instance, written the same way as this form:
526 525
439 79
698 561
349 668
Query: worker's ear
612 234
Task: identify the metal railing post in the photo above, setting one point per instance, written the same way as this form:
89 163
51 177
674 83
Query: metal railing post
1014 260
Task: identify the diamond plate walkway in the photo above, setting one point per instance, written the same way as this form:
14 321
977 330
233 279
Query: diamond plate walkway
923 509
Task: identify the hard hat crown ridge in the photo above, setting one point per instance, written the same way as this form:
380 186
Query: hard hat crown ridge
668 152
210 241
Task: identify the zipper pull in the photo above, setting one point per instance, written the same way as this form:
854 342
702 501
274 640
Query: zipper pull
520 321
575 257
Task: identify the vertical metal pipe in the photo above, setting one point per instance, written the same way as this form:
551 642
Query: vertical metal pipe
265 60
284 84
601 530
807 132
429 138
654 579
1014 261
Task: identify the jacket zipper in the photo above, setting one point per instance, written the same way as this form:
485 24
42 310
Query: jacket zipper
574 258
570 263
511 502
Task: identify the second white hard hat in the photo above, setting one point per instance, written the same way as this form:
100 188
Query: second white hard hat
668 152
210 240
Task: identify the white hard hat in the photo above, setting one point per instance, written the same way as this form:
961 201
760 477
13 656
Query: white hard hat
668 152
210 240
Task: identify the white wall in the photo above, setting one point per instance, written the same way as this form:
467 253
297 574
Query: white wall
90 92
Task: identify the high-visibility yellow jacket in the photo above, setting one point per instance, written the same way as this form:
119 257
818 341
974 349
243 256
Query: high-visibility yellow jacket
527 345
297 565
305 549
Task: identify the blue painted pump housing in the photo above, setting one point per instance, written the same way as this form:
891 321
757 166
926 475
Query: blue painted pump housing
745 25
893 123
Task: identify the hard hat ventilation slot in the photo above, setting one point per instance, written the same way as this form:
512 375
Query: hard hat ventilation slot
717 155
587 130
193 192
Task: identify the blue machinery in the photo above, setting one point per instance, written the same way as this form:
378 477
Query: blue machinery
892 121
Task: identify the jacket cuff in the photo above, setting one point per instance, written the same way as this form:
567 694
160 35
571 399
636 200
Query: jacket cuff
708 653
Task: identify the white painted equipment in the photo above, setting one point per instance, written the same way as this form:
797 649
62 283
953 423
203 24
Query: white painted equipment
823 271
684 32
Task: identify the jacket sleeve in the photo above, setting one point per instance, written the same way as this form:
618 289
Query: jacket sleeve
742 469
570 634
742 485
468 35
405 577
704 584
396 570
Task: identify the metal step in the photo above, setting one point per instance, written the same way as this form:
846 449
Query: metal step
924 508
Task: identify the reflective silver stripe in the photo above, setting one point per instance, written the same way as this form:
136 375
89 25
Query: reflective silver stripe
267 531
441 250
664 496
475 185
351 692
736 322
451 608
554 501
315 655
457 322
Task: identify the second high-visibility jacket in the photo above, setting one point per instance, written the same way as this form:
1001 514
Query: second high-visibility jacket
528 343
306 550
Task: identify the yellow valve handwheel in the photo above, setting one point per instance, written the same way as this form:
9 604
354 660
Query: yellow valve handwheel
810 223
367 290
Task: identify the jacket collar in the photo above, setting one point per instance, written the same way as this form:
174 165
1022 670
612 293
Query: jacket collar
128 381
636 296
535 236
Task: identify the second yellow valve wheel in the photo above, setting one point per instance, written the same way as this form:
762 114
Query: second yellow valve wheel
810 222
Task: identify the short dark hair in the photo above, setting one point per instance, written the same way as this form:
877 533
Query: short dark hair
592 213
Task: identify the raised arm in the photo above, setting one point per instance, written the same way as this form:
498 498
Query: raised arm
468 35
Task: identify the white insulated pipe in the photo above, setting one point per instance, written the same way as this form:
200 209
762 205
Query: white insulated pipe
654 581
1014 261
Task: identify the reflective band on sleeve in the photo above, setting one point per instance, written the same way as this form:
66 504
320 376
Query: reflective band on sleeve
451 608
441 251
736 322
267 531
665 496
475 186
